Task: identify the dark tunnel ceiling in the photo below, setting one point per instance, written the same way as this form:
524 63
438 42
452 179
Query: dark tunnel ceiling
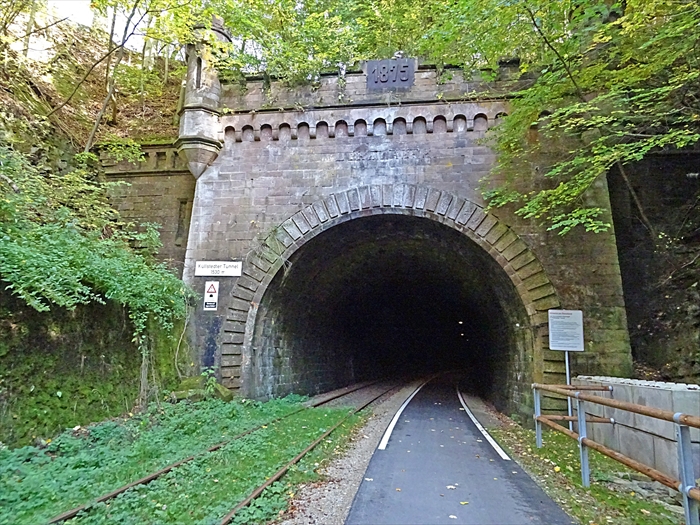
391 291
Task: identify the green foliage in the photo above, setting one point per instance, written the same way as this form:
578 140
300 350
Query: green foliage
265 507
118 150
209 376
84 463
64 245
39 396
623 84
134 81
609 82
85 354
286 39
204 490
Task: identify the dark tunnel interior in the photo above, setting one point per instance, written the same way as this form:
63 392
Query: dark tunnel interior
389 295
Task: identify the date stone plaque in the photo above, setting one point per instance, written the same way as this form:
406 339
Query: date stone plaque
392 74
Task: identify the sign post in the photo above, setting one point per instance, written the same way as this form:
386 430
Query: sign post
566 334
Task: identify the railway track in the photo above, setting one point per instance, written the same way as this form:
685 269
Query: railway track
359 396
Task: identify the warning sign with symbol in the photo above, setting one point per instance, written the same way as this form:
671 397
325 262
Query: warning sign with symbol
211 295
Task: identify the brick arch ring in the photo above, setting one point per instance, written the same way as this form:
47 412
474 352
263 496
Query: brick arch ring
509 251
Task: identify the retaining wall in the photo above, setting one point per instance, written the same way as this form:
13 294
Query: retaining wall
649 440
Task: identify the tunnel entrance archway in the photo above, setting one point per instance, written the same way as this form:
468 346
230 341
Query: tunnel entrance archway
383 290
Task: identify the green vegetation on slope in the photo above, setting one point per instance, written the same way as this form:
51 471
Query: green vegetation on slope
63 246
69 368
611 83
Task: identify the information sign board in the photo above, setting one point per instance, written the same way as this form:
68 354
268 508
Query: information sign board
218 269
566 330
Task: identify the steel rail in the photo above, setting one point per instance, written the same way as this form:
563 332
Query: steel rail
281 472
587 387
654 474
589 419
666 415
319 401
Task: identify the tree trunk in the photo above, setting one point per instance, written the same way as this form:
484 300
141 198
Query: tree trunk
146 63
109 49
110 92
145 363
30 28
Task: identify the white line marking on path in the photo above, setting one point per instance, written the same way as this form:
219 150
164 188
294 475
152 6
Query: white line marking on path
488 437
390 428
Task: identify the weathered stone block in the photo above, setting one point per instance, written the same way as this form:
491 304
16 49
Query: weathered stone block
475 219
515 249
231 360
432 199
665 456
232 337
465 212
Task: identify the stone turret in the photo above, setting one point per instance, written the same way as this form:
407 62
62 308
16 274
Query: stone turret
199 122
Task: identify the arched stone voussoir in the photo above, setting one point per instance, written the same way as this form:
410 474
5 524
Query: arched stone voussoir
484 228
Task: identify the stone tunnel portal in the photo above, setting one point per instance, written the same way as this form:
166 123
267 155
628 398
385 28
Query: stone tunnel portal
391 295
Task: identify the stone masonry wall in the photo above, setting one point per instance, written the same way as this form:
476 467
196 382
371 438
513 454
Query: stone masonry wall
275 167
159 190
273 164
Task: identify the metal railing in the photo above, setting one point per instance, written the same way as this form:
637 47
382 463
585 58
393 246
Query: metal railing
686 485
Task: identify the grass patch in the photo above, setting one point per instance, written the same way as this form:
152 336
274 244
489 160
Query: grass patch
274 502
557 469
76 467
204 490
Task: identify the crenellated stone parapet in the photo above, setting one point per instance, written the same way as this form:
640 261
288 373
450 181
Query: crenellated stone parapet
162 159
350 122
160 190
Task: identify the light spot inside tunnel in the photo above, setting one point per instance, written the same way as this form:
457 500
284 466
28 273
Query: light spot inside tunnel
389 296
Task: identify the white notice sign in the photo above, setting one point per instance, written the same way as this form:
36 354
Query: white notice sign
218 268
566 330
211 295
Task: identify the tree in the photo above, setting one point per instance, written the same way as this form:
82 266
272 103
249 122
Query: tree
609 82
613 82
61 242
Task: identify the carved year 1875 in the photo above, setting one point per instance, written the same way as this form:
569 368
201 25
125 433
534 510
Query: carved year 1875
390 74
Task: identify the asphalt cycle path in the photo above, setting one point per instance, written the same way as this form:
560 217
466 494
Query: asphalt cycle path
438 468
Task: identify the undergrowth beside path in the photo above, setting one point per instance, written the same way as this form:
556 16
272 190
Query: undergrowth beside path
82 464
557 469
